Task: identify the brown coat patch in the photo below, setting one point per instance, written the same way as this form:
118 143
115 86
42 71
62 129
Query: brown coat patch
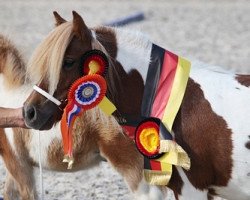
206 138
248 145
243 79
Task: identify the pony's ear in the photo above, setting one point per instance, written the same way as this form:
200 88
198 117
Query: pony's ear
79 28
58 18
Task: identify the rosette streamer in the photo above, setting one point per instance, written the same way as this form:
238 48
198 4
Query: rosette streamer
85 93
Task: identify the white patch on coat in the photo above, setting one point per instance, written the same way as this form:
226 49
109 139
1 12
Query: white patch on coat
46 138
12 98
188 191
230 100
134 50
148 192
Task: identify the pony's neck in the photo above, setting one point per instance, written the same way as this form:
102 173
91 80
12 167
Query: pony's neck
130 56
130 48
133 51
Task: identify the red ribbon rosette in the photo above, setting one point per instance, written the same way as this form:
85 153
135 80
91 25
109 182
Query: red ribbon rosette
147 138
95 62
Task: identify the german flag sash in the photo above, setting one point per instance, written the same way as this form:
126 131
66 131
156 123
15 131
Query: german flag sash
165 86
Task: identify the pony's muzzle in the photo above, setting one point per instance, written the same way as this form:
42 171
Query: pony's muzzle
35 118
30 115
42 110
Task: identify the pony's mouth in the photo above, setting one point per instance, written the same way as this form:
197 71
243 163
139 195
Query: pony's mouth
42 116
47 125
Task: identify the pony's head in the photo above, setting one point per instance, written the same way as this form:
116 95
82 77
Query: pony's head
54 66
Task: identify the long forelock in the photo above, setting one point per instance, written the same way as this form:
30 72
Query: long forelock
47 59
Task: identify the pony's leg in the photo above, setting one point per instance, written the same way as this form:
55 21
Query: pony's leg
10 189
13 190
19 169
121 153
22 176
26 184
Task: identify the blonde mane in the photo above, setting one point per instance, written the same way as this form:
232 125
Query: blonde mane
47 58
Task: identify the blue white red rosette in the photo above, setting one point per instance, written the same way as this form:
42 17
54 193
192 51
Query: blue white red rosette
88 91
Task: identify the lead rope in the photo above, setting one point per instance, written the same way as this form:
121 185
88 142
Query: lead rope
40 168
58 103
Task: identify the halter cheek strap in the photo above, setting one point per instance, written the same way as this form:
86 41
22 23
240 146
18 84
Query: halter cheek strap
47 95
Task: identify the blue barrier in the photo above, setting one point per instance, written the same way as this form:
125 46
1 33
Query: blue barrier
139 16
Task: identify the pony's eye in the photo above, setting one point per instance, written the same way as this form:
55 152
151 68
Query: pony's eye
68 63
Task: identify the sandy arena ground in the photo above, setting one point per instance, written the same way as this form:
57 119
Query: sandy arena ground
217 32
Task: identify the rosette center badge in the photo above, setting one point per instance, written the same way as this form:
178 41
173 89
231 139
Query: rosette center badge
87 93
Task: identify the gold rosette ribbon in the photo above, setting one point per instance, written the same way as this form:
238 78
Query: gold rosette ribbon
161 168
174 154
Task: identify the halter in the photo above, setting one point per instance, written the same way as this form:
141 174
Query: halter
47 95
152 130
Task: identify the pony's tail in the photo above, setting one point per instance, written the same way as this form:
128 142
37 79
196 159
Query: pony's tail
12 64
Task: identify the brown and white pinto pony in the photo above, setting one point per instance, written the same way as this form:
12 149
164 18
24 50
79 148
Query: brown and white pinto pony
212 124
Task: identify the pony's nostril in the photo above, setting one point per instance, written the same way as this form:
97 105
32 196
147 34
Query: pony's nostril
31 113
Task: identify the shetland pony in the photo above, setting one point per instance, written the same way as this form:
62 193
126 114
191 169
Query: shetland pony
211 125
96 141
